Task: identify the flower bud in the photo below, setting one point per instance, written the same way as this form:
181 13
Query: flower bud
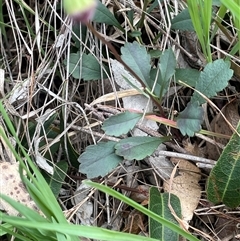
80 10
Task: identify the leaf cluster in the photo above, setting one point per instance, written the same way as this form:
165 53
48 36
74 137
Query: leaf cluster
100 159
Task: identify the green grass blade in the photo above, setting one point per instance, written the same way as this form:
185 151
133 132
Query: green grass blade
39 181
233 7
5 230
142 209
201 14
77 230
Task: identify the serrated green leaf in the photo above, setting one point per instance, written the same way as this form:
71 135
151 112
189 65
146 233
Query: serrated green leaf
155 53
160 88
167 65
183 21
99 160
189 76
224 183
160 77
213 78
56 181
80 35
137 58
121 124
158 203
138 147
189 121
90 69
103 15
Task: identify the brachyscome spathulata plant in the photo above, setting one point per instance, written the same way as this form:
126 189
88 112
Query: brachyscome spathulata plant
80 10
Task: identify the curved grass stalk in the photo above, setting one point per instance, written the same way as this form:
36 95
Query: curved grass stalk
142 209
201 15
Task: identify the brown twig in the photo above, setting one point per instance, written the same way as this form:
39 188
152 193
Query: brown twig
111 184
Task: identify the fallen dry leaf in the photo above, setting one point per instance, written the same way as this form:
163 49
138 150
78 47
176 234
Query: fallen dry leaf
219 125
84 206
185 186
142 195
12 186
135 222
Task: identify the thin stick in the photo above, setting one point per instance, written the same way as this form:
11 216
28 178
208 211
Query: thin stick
188 157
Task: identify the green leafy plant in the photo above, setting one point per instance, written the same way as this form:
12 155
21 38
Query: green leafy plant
85 66
222 185
234 7
159 204
49 222
162 220
56 181
100 159
212 79
223 182
40 192
136 58
201 15
121 124
183 21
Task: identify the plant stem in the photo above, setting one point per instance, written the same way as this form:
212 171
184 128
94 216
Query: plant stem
118 58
